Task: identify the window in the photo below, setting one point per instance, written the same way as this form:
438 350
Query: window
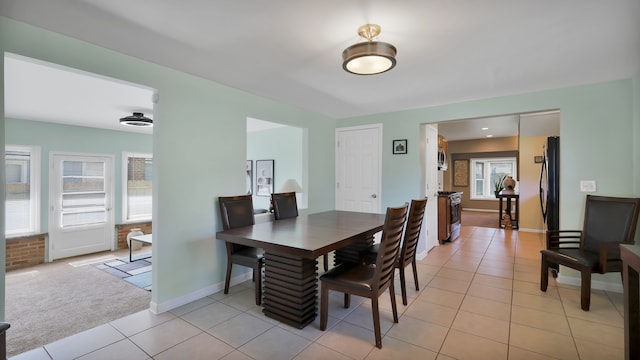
485 173
136 187
22 190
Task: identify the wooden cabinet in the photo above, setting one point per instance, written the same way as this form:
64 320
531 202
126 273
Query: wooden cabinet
444 218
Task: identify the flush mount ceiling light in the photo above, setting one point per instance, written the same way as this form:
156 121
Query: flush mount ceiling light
369 57
137 119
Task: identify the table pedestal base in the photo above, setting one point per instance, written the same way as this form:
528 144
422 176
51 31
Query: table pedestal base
290 289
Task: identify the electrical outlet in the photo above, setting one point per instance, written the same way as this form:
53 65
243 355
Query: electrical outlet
587 185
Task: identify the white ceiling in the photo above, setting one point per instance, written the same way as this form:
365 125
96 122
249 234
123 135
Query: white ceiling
290 51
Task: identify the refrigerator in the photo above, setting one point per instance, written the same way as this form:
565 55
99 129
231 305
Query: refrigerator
550 187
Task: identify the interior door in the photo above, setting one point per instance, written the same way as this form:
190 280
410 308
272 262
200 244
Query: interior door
431 187
358 168
81 196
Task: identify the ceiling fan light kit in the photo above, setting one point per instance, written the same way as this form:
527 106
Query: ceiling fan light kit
369 57
137 119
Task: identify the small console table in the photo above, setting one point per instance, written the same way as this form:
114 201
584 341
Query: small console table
630 255
145 239
509 195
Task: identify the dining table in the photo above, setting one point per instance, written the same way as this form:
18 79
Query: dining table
291 246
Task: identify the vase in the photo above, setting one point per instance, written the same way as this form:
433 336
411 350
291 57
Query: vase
134 232
509 183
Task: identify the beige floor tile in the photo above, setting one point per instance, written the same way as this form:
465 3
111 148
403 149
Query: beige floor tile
516 353
434 313
419 332
455 274
211 315
442 297
316 351
240 329
363 316
123 349
489 292
493 281
597 333
489 270
497 263
595 351
276 343
242 300
540 319
462 346
494 309
168 334
534 289
140 321
393 349
459 286
194 305
530 276
350 340
84 342
540 302
483 326
237 355
542 341
199 347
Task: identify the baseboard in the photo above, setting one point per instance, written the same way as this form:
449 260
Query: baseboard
595 284
196 295
531 230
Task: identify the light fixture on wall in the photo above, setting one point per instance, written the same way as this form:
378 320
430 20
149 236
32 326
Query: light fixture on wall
291 185
369 57
137 119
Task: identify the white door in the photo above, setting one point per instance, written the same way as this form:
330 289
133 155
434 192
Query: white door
430 223
81 195
358 168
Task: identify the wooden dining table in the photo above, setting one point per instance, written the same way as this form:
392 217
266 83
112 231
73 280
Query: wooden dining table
291 248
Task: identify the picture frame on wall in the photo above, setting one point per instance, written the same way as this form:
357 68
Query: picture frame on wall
249 171
264 177
400 146
461 172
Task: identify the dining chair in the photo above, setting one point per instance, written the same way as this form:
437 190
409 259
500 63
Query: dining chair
237 211
409 245
285 206
368 280
608 222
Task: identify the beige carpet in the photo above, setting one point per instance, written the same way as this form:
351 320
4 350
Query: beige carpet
479 218
49 302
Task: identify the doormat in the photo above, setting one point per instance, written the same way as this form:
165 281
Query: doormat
137 272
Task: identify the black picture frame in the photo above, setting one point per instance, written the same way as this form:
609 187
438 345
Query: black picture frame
249 171
399 147
264 177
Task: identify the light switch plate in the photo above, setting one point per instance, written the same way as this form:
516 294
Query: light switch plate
587 185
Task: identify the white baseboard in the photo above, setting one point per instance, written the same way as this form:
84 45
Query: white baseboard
595 284
196 295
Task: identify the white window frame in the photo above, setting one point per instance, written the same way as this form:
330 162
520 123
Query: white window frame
125 172
472 174
34 189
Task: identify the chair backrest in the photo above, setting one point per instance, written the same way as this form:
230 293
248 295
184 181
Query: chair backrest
412 230
609 219
389 245
284 205
235 212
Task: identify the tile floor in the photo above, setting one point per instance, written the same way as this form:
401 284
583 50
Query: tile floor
479 299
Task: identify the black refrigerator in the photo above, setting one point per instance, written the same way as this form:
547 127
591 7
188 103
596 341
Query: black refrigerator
550 187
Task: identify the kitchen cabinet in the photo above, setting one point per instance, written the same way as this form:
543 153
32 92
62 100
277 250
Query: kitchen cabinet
444 218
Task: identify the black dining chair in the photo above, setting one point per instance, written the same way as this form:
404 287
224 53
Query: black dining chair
367 280
237 211
409 245
608 222
285 206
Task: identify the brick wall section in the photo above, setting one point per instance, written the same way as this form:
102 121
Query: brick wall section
25 251
123 229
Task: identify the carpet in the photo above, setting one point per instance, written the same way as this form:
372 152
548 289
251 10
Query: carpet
137 273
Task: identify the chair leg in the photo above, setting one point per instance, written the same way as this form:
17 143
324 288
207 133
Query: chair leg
544 274
324 306
415 274
376 321
403 286
325 262
257 275
394 307
347 300
585 289
228 277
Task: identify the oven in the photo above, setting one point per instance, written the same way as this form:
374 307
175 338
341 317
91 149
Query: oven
449 214
456 208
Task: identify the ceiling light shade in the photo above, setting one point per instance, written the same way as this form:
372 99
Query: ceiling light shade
369 57
137 119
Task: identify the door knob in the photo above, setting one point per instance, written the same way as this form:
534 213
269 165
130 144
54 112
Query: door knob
373 196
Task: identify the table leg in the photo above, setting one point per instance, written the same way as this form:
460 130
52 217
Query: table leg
631 312
290 289
352 252
500 214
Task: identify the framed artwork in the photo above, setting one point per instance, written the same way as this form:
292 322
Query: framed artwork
264 177
461 172
400 146
249 170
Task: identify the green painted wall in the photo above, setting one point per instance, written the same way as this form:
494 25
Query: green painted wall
75 139
199 147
